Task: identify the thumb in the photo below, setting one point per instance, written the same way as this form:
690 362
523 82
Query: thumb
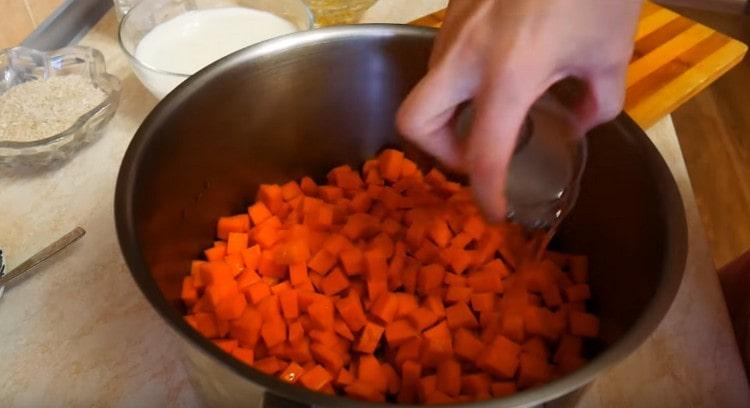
605 98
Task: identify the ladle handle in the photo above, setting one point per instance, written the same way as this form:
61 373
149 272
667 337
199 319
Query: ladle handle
43 255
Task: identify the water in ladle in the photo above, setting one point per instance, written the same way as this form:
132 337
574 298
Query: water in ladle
544 173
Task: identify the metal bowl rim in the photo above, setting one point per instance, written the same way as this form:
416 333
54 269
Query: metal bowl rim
127 235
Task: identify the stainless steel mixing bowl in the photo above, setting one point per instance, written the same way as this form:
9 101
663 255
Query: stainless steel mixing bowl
304 103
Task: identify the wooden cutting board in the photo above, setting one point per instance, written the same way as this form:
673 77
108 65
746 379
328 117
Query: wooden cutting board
674 59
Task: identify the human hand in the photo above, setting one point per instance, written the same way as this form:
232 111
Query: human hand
503 55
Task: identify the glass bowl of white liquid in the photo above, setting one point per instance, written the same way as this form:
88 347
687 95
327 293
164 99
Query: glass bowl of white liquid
166 41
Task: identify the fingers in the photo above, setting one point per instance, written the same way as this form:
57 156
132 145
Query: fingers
425 117
500 112
457 12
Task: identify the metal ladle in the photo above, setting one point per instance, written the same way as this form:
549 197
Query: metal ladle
546 167
37 258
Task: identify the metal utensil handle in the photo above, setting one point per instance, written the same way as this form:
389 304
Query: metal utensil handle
43 255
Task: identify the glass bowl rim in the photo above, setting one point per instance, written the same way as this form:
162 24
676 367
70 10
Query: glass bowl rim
310 20
111 98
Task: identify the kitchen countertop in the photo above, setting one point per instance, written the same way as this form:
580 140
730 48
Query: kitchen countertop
80 332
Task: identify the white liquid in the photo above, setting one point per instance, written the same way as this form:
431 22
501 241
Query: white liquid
193 40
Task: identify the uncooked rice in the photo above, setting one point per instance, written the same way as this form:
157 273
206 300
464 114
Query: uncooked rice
40 109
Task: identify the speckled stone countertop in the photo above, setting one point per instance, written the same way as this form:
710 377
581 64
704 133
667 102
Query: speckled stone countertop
80 333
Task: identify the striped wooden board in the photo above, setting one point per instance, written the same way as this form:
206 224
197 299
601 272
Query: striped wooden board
674 59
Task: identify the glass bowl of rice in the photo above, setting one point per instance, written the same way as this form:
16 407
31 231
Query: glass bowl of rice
52 104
